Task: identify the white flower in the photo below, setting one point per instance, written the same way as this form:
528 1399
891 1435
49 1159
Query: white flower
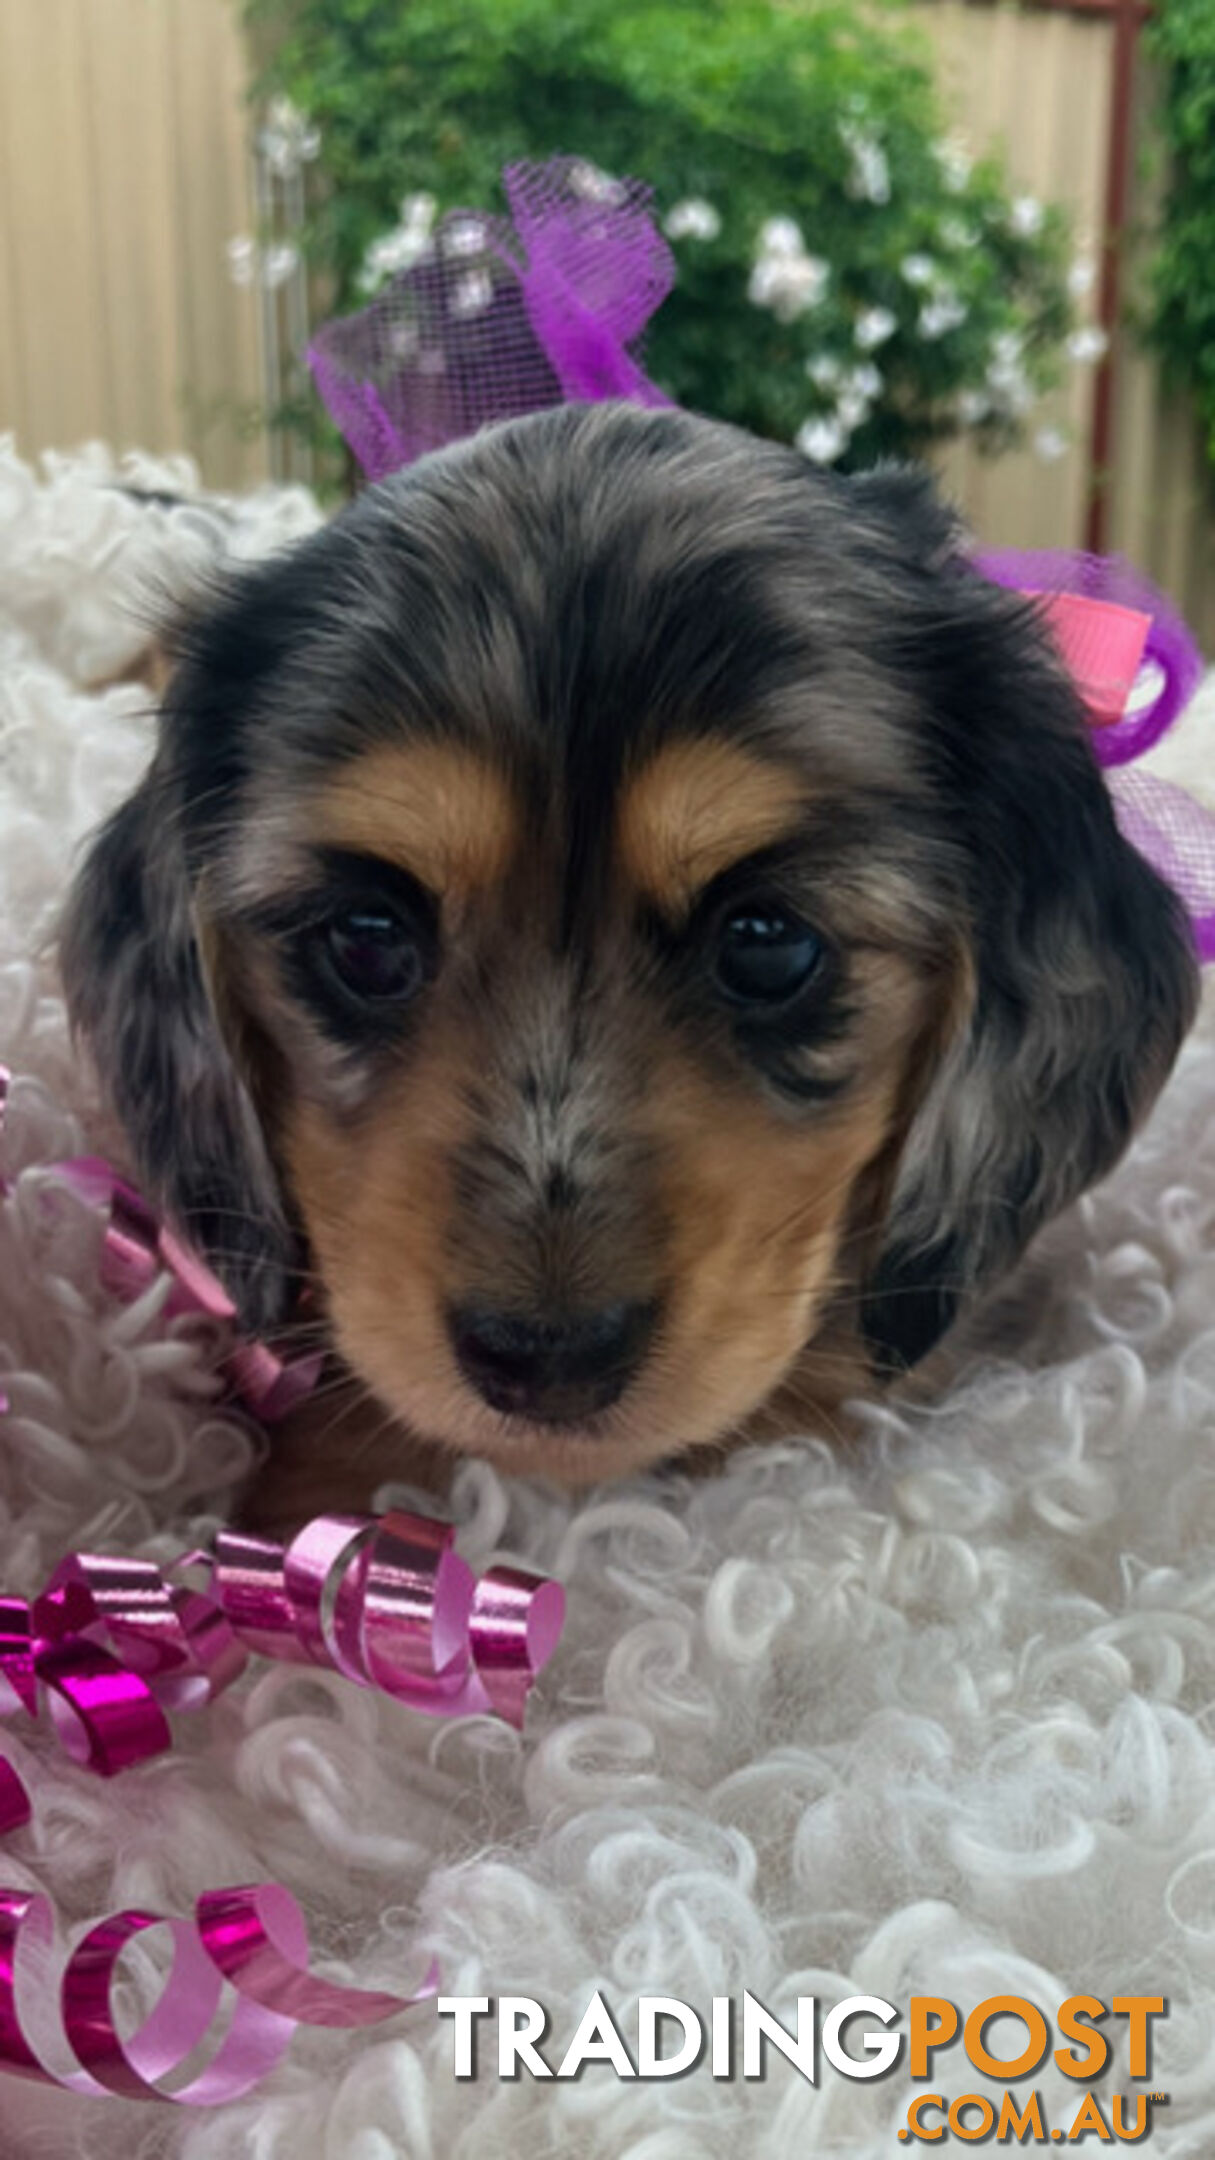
824 370
472 294
822 441
1050 444
403 341
855 389
1010 388
1081 277
288 139
781 236
973 407
941 314
241 252
279 263
401 248
1026 216
385 258
1088 343
463 236
1006 377
593 185
248 264
788 285
382 260
784 277
869 178
865 381
873 326
918 270
955 162
694 219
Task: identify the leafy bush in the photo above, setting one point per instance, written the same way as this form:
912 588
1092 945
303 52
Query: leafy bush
847 277
1183 37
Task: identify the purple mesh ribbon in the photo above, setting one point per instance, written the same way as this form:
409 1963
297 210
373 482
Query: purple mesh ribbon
501 316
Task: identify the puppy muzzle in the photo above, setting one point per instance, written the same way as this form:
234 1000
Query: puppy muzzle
552 1371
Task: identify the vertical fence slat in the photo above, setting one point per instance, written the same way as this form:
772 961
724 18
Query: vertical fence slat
1036 88
222 364
54 273
12 359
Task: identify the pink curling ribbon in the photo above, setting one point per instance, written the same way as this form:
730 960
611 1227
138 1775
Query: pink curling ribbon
252 1936
137 1247
112 1644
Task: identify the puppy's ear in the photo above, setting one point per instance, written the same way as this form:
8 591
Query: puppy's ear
1085 978
137 990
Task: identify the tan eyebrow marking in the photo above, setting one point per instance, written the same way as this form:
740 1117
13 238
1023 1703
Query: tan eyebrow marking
434 809
697 807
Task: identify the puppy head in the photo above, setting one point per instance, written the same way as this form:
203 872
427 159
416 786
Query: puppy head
611 903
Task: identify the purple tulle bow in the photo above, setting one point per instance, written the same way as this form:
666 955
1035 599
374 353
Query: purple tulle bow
500 317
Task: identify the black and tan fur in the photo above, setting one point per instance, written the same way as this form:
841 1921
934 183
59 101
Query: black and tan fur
559 696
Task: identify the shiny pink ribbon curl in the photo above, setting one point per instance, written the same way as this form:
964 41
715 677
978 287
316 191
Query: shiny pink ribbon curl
113 1644
251 1936
137 1247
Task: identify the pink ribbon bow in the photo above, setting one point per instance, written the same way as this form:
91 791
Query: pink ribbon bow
1111 624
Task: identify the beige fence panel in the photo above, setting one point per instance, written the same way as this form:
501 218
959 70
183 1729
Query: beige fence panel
123 172
1036 85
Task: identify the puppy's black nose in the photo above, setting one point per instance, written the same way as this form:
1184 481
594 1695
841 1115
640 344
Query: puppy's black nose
553 1370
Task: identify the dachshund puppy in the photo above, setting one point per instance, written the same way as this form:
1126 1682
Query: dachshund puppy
637 925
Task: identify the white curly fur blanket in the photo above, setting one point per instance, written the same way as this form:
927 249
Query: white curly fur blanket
934 1715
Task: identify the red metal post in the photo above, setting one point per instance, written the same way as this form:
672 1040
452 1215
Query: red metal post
1128 15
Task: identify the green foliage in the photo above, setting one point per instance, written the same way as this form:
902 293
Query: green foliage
817 111
1183 38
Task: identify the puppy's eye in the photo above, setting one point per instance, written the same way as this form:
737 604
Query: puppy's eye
764 955
374 955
